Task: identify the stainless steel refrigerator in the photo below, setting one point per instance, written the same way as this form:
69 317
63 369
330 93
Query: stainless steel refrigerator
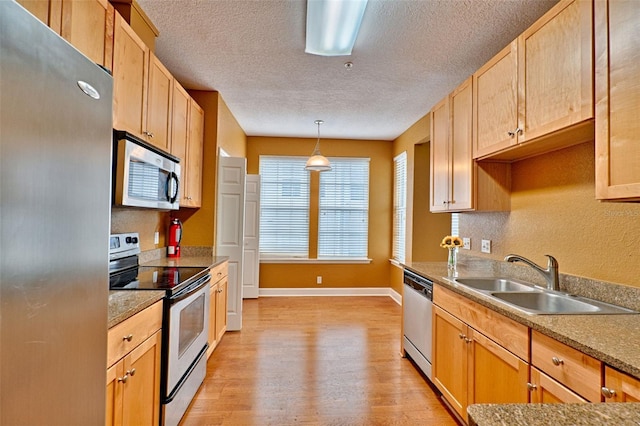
55 168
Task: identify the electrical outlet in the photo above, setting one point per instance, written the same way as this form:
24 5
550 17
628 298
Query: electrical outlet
486 246
319 279
466 243
156 238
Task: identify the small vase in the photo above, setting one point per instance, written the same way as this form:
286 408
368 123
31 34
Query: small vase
452 261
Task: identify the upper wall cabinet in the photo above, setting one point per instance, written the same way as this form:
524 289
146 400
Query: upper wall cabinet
458 183
159 96
130 75
48 11
88 25
617 100
536 95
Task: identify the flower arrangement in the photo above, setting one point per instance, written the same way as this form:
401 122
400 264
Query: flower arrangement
452 242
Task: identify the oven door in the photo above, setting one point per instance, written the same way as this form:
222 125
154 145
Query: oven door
188 329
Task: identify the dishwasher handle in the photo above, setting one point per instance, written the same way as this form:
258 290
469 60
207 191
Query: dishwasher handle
420 284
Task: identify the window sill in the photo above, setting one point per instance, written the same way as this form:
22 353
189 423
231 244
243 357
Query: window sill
318 261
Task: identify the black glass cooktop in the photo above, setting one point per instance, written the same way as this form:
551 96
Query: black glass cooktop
154 278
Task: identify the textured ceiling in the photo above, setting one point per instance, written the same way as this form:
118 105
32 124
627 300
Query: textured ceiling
409 55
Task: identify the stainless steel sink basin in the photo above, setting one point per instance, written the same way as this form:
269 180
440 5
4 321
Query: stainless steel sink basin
542 302
494 284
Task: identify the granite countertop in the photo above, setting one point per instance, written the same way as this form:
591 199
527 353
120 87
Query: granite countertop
613 339
126 303
618 414
188 261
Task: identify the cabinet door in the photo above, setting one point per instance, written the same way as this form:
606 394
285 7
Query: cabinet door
221 308
159 97
180 129
141 395
195 147
620 387
114 394
495 94
461 144
450 359
88 25
555 70
496 375
130 67
439 160
47 11
545 390
211 340
617 43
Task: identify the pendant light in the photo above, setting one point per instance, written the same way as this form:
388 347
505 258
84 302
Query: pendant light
318 162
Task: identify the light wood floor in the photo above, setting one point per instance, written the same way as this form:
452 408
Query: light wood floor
315 361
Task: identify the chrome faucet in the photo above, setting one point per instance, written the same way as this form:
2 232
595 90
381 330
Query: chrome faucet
550 274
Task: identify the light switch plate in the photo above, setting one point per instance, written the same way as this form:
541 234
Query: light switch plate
486 246
156 238
466 243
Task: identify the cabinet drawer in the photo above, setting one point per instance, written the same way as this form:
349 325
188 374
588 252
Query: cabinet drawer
219 271
569 366
507 333
125 336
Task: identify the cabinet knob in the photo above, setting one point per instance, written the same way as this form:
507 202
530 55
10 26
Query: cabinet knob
467 340
131 372
219 290
461 336
608 393
557 361
128 338
531 387
517 131
123 379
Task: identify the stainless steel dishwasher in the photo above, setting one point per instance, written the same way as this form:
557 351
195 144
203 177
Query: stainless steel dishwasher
416 311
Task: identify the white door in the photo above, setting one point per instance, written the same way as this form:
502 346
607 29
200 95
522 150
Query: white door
230 231
251 273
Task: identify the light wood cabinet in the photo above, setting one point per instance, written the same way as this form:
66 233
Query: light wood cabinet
468 366
457 182
159 104
47 11
572 368
541 85
217 305
617 44
187 143
620 387
130 76
545 390
133 379
88 25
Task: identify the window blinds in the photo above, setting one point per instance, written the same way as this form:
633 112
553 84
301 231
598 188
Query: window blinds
343 227
399 206
284 199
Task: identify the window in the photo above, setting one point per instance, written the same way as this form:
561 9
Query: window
284 199
399 206
343 224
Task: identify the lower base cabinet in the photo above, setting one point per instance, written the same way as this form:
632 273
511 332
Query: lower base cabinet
545 390
470 368
217 305
133 380
620 387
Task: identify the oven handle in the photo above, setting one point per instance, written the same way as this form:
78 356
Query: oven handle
193 288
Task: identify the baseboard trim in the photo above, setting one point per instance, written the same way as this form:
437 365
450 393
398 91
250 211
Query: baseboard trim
349 291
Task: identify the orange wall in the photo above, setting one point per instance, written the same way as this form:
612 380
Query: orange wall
554 211
375 274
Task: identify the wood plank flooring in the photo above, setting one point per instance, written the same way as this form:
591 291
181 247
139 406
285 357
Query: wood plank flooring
315 361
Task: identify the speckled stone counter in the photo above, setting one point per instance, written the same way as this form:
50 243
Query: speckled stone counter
188 261
618 414
126 303
613 339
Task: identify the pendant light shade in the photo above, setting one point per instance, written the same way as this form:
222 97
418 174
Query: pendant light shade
318 162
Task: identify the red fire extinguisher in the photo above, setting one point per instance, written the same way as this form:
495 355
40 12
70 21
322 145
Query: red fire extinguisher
175 235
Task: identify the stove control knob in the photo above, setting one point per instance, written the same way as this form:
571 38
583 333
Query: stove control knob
134 240
127 240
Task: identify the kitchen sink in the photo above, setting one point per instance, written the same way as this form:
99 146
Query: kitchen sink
494 284
532 299
543 302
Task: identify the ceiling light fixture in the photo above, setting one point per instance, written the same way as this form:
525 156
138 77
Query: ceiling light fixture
332 26
318 162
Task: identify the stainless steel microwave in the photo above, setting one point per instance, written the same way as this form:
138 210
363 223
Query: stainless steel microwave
143 175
